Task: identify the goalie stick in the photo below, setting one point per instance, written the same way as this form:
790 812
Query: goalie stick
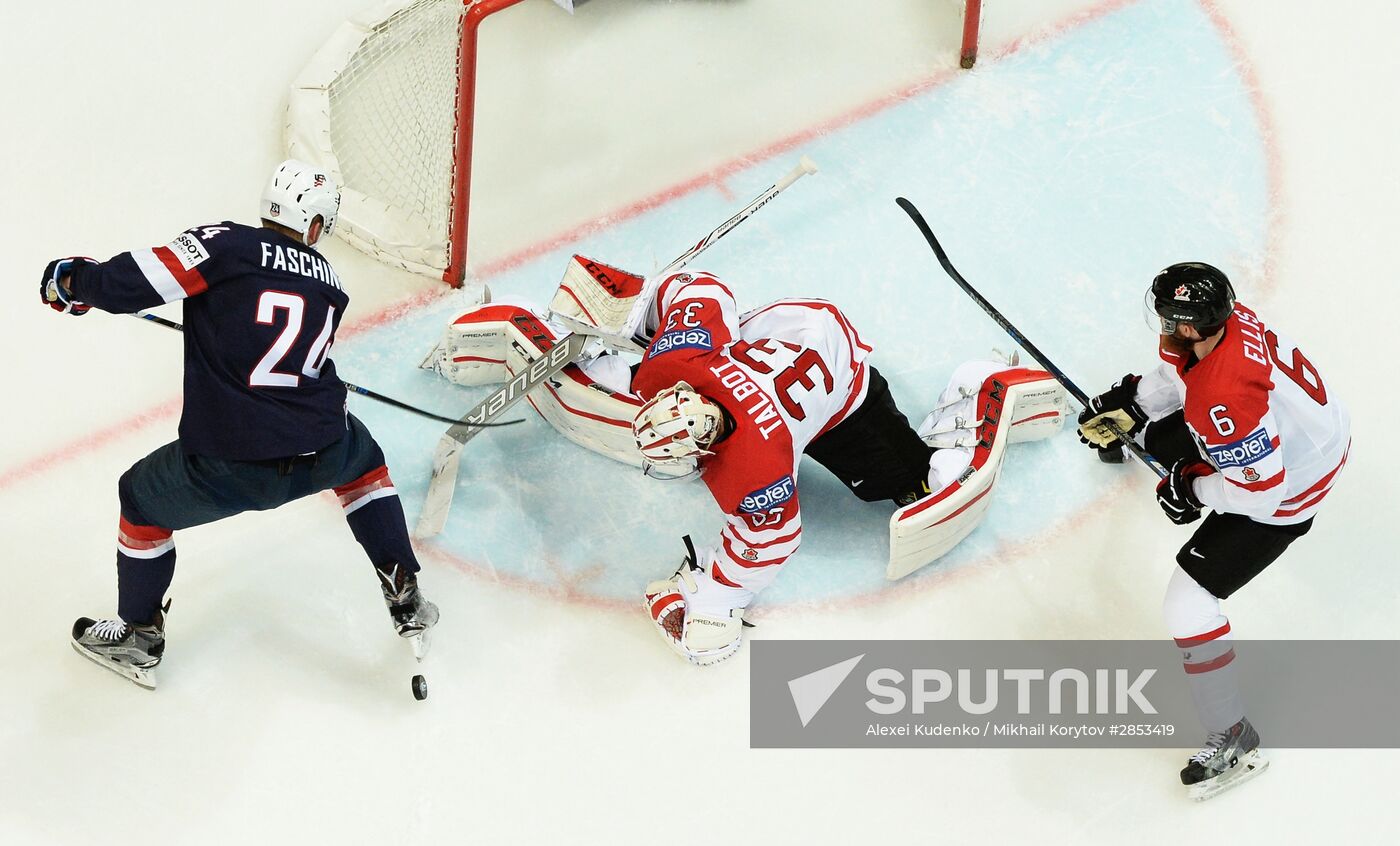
1035 353
353 388
448 454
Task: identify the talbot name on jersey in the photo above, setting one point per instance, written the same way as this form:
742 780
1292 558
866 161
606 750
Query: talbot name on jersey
768 497
300 263
682 339
1244 451
749 397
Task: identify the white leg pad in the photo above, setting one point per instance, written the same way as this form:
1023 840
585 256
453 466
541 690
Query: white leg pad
589 403
963 472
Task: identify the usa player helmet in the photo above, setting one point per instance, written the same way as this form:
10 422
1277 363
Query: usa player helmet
297 194
1190 292
677 426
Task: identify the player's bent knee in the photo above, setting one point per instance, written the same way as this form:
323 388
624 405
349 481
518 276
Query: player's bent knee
1188 609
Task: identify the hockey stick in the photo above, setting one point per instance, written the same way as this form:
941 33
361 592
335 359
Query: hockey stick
803 167
364 392
448 454
1016 335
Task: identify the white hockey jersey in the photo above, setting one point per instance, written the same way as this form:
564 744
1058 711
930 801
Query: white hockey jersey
786 373
1260 410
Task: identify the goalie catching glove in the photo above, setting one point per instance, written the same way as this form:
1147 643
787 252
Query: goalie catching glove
1118 406
675 608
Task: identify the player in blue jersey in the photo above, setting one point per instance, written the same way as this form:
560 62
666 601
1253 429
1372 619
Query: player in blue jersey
264 419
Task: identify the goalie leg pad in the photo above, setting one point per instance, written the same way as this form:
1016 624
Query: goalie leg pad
584 407
964 470
589 403
478 346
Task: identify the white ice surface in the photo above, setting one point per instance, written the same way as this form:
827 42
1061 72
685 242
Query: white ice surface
285 714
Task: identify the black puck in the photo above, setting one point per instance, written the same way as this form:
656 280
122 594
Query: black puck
420 688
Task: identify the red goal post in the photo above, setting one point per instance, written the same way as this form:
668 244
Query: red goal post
388 106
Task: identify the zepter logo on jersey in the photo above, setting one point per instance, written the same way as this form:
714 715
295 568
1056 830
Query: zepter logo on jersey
1246 450
682 339
765 498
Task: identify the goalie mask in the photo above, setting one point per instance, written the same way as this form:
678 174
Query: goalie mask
299 193
677 426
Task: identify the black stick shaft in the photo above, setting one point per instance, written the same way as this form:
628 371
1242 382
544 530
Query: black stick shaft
364 392
1015 333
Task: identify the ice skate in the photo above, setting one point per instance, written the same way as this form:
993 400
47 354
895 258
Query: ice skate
132 651
1229 759
413 615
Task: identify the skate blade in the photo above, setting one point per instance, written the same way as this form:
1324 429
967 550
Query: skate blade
420 643
141 678
1250 765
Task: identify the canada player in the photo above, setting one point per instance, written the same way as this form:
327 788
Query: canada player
1249 430
740 398
744 397
264 419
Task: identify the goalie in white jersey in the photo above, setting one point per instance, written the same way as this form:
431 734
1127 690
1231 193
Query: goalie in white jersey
1250 430
741 398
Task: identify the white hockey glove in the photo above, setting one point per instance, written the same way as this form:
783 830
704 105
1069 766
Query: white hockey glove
699 638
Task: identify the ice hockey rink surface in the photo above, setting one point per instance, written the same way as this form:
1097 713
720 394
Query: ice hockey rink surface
1093 144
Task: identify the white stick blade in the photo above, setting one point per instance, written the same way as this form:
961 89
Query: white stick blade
446 459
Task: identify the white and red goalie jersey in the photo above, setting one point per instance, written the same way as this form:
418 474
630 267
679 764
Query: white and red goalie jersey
1272 429
786 373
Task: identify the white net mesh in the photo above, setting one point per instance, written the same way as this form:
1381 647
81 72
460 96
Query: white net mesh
386 102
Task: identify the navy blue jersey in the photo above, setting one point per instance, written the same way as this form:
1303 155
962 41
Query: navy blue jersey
261 310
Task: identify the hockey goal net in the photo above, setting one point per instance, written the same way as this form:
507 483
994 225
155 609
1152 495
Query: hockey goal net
389 106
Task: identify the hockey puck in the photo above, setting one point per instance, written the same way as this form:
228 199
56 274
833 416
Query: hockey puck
420 688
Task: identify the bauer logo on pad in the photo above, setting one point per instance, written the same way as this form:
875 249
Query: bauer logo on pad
767 497
1244 451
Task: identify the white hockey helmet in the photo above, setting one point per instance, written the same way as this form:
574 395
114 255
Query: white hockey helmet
297 194
677 426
